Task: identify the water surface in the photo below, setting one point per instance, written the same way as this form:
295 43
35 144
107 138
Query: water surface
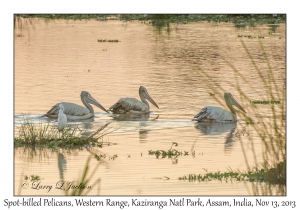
56 59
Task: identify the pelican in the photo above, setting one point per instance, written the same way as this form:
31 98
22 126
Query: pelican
213 113
77 112
62 118
132 105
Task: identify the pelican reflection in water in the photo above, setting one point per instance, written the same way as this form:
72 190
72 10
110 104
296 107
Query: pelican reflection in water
218 114
215 128
77 112
132 105
62 164
135 117
218 128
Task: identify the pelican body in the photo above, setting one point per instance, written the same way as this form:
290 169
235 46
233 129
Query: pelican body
132 105
77 112
62 118
218 114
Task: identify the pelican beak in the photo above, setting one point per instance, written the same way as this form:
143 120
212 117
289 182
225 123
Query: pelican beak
91 100
235 103
148 97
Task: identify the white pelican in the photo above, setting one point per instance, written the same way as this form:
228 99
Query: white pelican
213 113
132 105
62 118
77 112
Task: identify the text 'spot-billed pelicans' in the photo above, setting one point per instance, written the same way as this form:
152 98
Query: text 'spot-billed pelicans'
217 114
62 118
132 105
77 112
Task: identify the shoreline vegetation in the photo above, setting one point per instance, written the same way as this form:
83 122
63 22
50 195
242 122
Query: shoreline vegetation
46 135
157 19
273 175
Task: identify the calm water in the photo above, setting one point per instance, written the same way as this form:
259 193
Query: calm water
56 59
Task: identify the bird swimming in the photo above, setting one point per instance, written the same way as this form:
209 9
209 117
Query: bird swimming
132 105
62 118
77 112
218 114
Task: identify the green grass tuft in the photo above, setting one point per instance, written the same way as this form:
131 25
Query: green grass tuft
240 20
271 175
47 135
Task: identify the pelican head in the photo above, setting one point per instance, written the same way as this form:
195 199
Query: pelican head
61 107
86 96
231 101
144 94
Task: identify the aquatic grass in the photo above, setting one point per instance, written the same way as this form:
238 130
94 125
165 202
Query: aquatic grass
28 133
100 17
270 130
246 19
82 186
266 129
264 102
47 135
252 37
102 156
240 20
265 174
32 177
24 181
108 40
171 153
113 157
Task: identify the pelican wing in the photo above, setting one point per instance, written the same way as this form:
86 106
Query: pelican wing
69 109
128 104
213 113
